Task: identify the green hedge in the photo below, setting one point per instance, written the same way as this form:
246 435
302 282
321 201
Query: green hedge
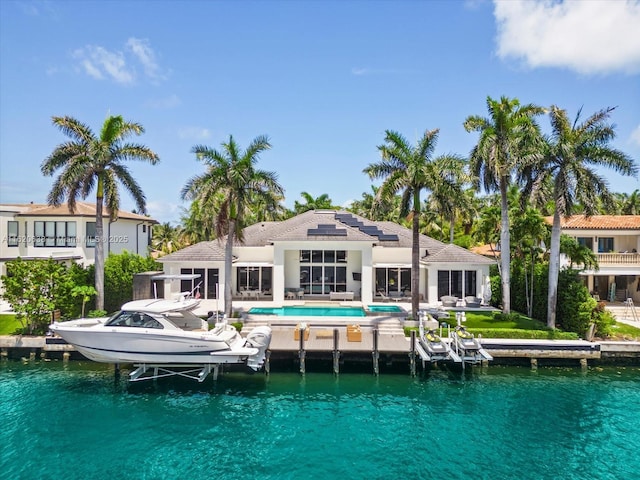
513 333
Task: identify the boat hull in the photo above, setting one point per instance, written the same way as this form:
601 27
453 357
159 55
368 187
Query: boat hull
118 345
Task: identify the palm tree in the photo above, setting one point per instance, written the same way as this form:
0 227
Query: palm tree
321 202
573 150
408 169
231 173
88 161
166 239
507 137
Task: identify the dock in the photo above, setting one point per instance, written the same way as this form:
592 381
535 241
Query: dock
367 343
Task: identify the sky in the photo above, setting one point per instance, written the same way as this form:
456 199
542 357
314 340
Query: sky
322 79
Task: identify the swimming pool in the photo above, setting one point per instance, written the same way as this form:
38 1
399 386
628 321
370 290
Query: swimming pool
316 311
322 311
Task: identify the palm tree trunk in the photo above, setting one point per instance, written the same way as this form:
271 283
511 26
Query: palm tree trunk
505 248
228 258
99 248
554 269
415 259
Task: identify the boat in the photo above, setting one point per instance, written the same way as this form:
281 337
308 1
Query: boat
467 346
431 347
465 340
434 345
163 332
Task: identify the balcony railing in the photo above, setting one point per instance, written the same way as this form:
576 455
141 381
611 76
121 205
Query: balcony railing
618 259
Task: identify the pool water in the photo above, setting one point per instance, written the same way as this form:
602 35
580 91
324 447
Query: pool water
385 308
75 421
317 311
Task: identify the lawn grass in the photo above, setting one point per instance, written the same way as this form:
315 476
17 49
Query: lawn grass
9 324
516 326
623 331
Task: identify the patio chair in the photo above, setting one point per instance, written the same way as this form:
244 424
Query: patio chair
449 301
472 302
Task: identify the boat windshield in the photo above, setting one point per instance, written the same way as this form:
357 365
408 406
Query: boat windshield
133 319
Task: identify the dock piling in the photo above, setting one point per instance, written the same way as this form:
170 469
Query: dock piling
301 351
375 353
336 351
412 354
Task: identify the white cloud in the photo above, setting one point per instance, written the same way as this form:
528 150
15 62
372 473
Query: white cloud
146 56
194 133
590 37
99 63
164 211
119 66
635 136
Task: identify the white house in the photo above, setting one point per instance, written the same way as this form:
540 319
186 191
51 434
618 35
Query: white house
323 252
615 239
33 231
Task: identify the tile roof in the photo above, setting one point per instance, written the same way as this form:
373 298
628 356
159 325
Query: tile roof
83 209
209 251
297 229
599 222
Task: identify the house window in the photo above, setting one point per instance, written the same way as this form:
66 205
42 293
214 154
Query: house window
458 283
55 234
394 280
254 278
90 234
605 244
585 242
323 271
12 234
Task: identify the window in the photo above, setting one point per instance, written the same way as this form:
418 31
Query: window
134 319
12 234
585 242
395 280
458 283
254 278
325 274
90 234
205 284
55 234
605 244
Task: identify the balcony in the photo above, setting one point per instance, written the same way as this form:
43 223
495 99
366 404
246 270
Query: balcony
618 259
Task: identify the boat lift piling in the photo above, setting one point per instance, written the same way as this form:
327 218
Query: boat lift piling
412 354
336 352
375 353
301 351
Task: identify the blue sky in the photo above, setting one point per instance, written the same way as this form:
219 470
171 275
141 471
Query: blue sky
323 79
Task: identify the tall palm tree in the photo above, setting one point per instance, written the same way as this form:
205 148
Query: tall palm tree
231 172
507 137
408 169
568 167
91 161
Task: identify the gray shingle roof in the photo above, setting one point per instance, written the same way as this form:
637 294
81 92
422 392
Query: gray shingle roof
203 251
297 229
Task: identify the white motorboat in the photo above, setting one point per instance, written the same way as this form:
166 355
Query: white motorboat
164 332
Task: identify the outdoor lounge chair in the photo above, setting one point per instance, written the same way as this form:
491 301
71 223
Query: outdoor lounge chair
449 301
472 302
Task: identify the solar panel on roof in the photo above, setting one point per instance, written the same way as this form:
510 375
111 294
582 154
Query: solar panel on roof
372 230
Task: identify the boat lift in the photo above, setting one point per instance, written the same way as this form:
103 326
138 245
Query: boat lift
430 351
199 372
466 345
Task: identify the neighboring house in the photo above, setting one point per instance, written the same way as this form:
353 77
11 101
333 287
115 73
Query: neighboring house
615 239
33 231
323 251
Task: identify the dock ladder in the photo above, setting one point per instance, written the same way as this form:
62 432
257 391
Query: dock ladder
630 308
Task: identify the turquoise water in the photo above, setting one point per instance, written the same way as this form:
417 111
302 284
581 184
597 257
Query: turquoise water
385 308
75 421
309 311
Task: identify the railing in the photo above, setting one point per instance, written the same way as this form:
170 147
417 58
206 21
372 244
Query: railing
618 259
